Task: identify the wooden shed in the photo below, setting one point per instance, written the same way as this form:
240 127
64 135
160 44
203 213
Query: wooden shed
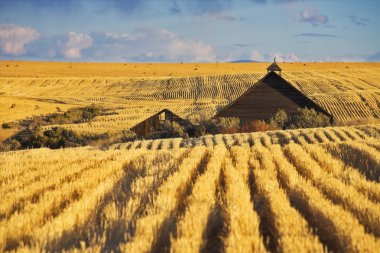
154 123
266 97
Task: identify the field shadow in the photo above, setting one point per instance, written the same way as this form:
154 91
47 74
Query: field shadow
169 227
97 227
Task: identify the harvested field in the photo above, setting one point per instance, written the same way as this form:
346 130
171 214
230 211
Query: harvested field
350 94
281 191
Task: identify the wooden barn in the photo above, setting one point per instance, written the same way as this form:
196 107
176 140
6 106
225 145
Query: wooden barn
266 97
154 123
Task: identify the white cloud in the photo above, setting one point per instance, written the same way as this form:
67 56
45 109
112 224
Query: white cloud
345 58
289 57
256 56
114 35
74 44
149 44
280 57
143 44
172 47
313 17
13 38
189 49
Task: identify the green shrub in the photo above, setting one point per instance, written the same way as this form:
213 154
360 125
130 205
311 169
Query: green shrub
6 125
58 137
302 118
279 120
173 128
10 145
307 118
169 129
75 115
90 112
127 135
221 125
9 125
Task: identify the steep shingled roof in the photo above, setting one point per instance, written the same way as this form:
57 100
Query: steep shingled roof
263 99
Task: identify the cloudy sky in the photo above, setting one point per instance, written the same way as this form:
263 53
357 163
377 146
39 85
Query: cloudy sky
190 30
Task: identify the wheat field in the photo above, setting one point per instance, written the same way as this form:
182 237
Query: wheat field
349 91
306 190
300 136
311 190
35 69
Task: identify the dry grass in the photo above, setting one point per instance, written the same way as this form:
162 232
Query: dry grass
6 133
17 108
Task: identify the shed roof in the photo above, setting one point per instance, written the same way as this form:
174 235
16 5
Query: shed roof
155 114
179 119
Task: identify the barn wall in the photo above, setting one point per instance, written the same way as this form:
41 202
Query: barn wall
145 127
266 98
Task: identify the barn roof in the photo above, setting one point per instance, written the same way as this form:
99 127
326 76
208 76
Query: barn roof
251 89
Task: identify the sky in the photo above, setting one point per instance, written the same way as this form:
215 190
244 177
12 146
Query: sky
190 30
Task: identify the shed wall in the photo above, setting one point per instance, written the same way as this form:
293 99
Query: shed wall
152 123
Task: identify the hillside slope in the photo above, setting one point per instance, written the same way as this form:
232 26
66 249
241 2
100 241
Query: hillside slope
351 94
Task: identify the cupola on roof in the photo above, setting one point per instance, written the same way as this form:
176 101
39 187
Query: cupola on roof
274 66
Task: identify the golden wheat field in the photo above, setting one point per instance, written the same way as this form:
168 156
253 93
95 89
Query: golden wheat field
311 190
349 91
305 190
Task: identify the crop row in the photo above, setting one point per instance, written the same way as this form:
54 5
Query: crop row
298 197
282 137
347 95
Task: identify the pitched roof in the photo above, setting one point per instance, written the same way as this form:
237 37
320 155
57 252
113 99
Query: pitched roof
251 89
157 113
154 114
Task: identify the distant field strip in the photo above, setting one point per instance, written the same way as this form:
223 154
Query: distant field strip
350 94
301 136
313 190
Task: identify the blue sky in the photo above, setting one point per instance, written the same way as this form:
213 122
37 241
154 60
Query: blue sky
190 30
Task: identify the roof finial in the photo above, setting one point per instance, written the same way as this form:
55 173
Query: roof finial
274 59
